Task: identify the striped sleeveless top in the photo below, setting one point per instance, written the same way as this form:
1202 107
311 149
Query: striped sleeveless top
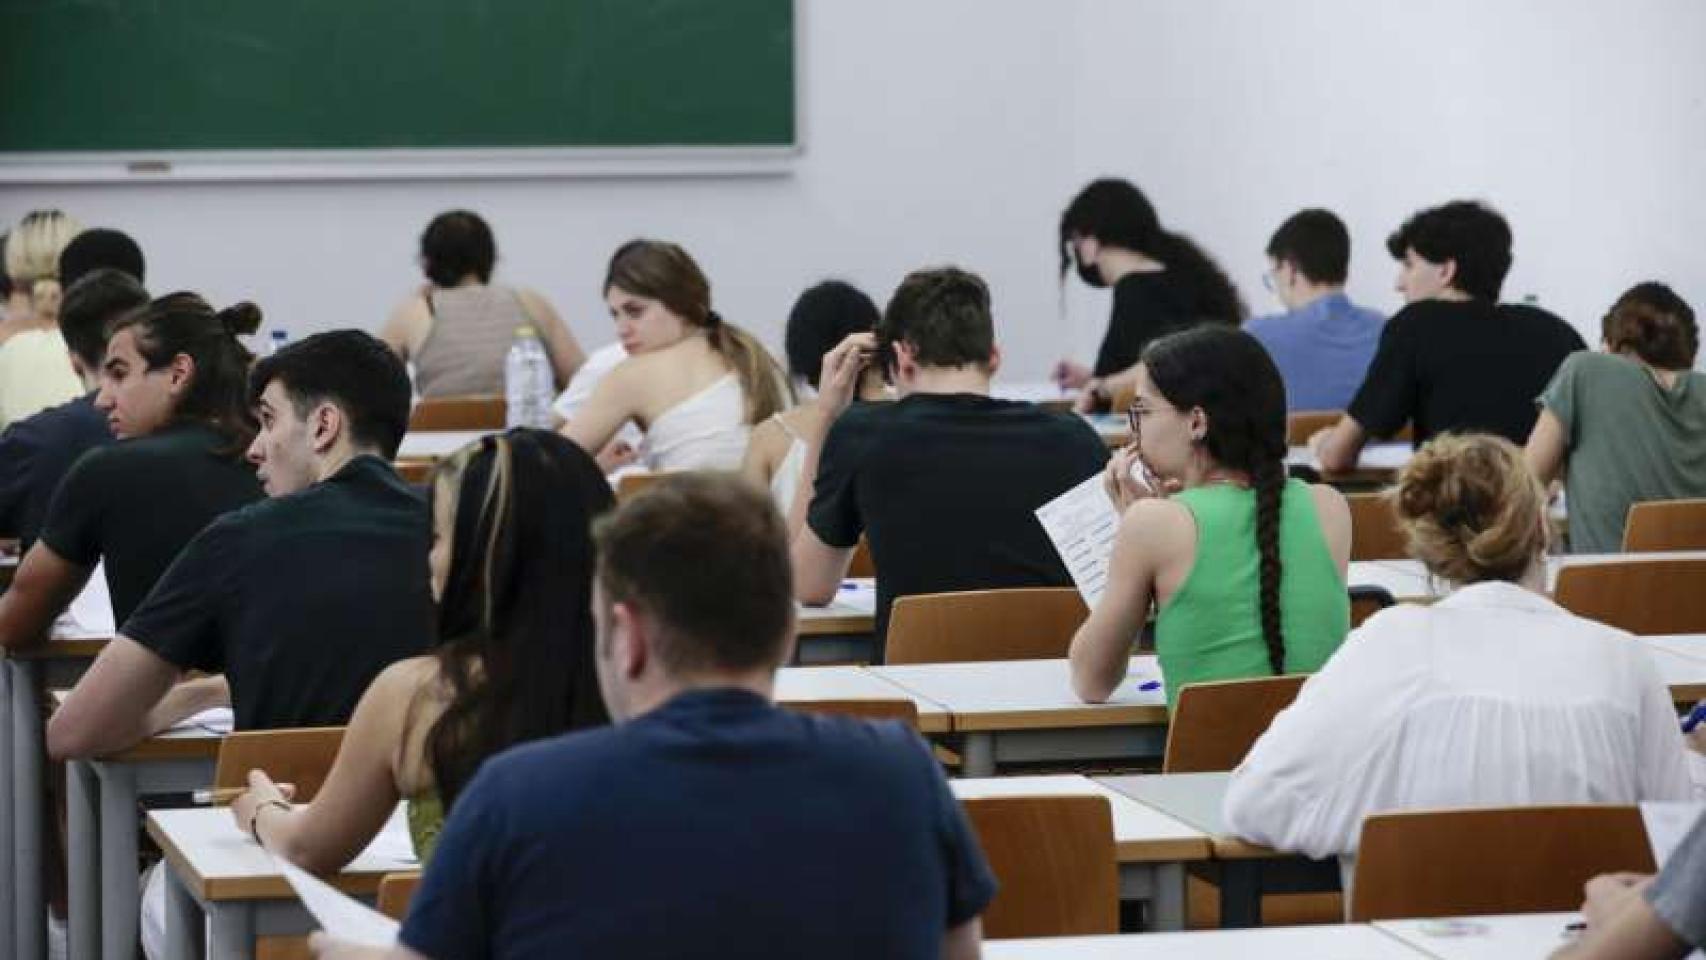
472 329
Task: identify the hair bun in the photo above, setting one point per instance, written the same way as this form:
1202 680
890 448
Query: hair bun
240 318
1470 509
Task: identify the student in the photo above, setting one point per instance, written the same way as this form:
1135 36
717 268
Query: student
1245 568
1626 426
459 327
694 383
945 481
695 825
1634 917
1453 359
299 600
34 373
512 572
823 316
1494 696
1323 342
36 452
172 392
100 248
1162 282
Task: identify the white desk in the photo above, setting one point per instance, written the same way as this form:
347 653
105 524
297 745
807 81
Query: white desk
839 631
805 684
1681 660
435 444
1407 580
1151 847
1484 938
1025 710
1341 942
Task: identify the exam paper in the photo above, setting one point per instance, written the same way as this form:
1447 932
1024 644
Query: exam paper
1667 824
91 613
213 720
339 915
1081 524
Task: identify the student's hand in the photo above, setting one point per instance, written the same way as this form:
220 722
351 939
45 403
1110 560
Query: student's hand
1316 440
327 947
262 791
1128 479
1070 375
839 380
616 455
1696 738
1608 893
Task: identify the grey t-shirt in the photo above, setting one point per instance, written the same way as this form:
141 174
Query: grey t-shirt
1629 440
1678 896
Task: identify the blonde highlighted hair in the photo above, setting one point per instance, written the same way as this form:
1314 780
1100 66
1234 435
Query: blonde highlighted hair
1471 509
32 257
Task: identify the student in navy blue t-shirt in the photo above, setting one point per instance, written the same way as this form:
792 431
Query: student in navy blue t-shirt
707 822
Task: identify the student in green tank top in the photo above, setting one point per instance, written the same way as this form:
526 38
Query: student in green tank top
1245 567
512 563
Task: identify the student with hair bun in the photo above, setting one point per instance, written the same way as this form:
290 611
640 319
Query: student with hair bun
1245 568
1627 425
35 371
1494 696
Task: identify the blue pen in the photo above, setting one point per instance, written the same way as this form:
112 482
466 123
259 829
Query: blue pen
1694 717
849 585
1149 685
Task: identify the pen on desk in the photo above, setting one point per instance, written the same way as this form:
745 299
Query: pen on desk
1574 929
1694 718
218 798
1149 685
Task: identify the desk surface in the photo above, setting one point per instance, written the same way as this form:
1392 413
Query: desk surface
188 741
435 444
798 684
1195 800
1333 942
217 861
1141 833
853 611
1029 694
1484 938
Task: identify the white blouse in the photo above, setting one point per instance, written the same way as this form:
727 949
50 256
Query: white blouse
1495 696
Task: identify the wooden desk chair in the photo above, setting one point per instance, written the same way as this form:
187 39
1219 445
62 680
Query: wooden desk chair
903 710
631 485
1034 623
1640 596
1216 724
1375 534
861 564
302 757
1366 601
395 892
1454 863
1054 858
1303 424
416 472
1121 402
458 413
1660 525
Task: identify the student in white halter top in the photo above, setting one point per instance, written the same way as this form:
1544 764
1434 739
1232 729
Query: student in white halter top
692 383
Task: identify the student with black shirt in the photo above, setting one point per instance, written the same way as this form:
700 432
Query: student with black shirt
944 482
299 600
1163 282
36 452
1453 359
172 389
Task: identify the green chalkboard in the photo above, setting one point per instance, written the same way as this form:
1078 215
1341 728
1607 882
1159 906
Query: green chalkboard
289 75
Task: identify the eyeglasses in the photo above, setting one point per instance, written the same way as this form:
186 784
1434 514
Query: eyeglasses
1268 280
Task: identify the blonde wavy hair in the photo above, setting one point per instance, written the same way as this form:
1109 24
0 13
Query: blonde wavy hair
1470 509
32 257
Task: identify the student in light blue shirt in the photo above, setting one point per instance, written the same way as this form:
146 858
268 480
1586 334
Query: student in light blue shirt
1323 343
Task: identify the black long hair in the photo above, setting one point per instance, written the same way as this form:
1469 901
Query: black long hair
515 630
1117 214
1227 373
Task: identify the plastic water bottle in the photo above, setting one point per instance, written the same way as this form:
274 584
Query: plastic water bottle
276 341
527 382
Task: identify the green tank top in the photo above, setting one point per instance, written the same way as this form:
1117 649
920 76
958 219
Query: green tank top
426 818
1211 628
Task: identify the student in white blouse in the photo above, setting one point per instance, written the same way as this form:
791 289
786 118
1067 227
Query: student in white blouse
1495 696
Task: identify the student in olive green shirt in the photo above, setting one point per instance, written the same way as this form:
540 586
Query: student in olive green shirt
1246 567
1627 425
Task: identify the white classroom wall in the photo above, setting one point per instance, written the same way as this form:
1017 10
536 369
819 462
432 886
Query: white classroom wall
955 130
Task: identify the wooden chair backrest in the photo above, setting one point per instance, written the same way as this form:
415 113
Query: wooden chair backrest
1300 425
1660 525
1454 863
301 757
1121 400
1054 858
1215 724
1375 534
1032 623
458 413
416 472
1640 596
1366 601
395 892
631 485
862 565
903 710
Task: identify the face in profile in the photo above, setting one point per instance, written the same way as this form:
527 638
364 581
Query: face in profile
1163 430
138 401
642 323
283 449
1420 279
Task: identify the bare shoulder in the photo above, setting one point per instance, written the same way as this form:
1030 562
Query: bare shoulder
1330 504
401 681
1158 522
535 302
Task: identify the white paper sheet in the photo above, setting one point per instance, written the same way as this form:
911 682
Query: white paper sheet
339 915
91 613
213 720
1081 523
1667 824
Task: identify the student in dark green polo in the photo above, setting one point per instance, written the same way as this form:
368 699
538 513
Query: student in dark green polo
299 600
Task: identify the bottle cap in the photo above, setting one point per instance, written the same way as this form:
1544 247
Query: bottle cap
526 330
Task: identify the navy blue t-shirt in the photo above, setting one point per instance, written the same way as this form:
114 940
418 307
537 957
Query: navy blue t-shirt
36 453
717 825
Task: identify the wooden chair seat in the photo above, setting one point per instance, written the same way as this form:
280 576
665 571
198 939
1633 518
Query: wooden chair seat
1661 525
1215 724
458 413
301 757
1054 859
1643 597
1034 623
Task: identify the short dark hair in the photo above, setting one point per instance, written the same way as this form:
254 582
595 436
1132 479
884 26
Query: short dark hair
91 304
1316 243
350 368
822 317
456 244
98 249
1468 232
707 557
943 315
1654 323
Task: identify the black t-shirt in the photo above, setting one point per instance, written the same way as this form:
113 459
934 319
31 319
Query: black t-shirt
1146 306
1462 366
136 503
36 453
945 488
301 600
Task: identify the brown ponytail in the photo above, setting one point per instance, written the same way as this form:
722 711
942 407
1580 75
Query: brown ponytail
184 323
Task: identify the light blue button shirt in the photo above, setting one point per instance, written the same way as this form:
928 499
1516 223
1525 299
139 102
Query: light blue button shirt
1322 349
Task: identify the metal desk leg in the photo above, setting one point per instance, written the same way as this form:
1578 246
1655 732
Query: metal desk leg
30 908
978 756
185 936
232 933
120 888
83 795
1167 905
8 789
1241 893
